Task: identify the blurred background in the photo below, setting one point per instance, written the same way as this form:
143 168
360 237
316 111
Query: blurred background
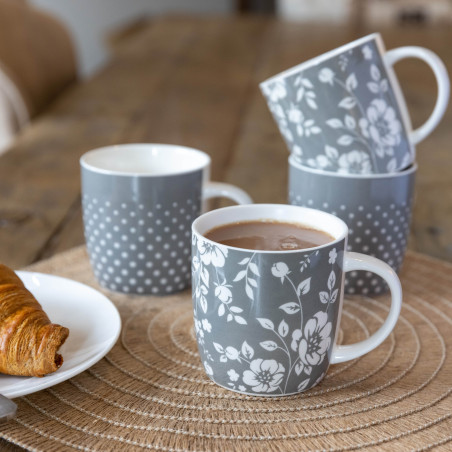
94 23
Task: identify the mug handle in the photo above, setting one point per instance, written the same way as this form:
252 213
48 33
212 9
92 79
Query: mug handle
358 261
222 190
442 79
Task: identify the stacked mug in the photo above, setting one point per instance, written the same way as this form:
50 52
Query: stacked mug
352 147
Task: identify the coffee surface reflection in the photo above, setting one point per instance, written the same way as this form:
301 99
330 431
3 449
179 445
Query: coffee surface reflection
268 235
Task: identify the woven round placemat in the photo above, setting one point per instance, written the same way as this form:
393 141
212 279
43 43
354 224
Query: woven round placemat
150 391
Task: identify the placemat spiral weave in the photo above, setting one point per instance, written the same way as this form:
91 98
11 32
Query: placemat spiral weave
150 391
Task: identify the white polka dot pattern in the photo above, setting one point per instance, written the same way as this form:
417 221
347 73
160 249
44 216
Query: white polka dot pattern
136 250
374 230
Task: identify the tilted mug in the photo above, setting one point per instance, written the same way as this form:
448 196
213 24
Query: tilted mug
344 111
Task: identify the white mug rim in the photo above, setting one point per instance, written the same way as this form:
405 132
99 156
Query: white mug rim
333 220
145 147
369 176
326 56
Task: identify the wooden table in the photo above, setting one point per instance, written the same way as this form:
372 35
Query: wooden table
194 81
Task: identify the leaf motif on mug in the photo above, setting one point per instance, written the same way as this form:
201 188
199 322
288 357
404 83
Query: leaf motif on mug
351 83
247 350
252 282
331 280
334 295
290 308
269 345
232 353
249 292
266 323
221 310
303 385
240 320
373 87
345 140
244 261
324 297
205 276
307 83
299 368
283 328
304 287
331 152
347 102
375 72
203 303
300 94
350 122
312 104
253 267
335 123
218 347
240 275
392 165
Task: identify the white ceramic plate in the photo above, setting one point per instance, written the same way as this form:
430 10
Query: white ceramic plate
94 326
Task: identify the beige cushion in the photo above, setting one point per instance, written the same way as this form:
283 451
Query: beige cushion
36 53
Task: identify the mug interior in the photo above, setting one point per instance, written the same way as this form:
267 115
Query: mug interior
310 218
144 159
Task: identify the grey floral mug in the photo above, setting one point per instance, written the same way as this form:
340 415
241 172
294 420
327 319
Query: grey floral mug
344 111
139 201
266 322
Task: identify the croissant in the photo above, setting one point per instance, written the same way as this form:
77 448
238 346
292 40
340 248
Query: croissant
28 340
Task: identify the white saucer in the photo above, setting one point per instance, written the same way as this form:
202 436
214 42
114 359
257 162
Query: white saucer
94 326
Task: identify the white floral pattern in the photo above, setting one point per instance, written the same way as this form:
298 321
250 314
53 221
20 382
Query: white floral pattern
264 375
363 131
263 352
382 126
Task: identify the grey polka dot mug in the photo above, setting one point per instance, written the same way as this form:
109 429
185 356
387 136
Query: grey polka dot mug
376 207
139 201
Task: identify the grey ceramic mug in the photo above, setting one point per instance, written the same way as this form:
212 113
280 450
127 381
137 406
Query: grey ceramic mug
376 207
266 322
139 201
344 111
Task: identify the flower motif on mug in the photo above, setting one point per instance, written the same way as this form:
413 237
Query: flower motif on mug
295 115
212 254
223 293
233 375
264 375
313 345
382 126
276 91
332 256
355 162
206 325
280 270
326 75
367 53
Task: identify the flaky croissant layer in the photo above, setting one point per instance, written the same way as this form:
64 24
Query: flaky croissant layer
29 342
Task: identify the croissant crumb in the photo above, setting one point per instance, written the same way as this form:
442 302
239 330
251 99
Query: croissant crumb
29 341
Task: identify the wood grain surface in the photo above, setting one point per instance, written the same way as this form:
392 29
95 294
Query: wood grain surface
194 82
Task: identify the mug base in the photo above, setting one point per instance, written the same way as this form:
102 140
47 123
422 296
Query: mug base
267 396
